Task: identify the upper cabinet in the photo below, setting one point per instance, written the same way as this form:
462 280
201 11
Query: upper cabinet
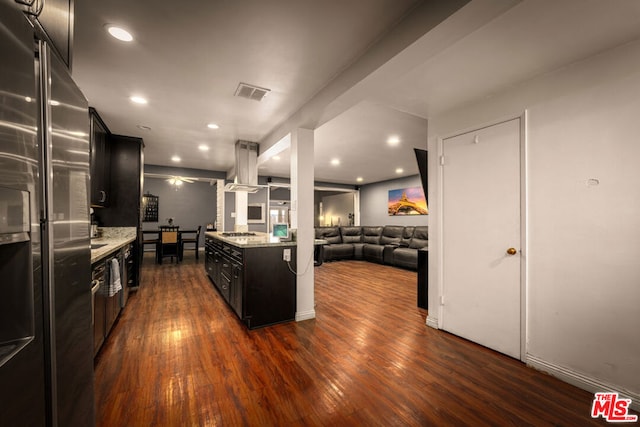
100 161
54 21
125 198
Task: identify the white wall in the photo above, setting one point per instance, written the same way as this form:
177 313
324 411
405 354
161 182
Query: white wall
583 255
374 200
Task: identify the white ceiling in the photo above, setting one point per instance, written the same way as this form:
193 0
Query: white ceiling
188 57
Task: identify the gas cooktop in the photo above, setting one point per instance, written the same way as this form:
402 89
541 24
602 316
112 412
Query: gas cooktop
237 234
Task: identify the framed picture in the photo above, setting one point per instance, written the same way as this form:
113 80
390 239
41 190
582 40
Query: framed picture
407 201
150 208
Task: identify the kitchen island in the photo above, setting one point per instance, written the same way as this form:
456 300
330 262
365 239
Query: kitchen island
250 272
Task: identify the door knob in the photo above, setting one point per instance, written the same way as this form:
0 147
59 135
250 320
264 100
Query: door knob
512 251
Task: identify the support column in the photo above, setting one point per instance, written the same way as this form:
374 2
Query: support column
241 223
302 191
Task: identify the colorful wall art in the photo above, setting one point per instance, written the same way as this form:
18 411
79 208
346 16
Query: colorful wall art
407 201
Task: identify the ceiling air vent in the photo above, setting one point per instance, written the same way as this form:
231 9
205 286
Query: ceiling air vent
251 92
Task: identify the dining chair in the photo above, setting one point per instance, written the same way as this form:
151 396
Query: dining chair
169 243
195 240
155 241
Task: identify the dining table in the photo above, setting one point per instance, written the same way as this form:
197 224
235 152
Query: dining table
181 233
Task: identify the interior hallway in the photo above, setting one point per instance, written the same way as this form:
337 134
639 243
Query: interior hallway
178 356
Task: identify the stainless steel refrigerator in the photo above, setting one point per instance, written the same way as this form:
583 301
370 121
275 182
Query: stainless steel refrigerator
46 357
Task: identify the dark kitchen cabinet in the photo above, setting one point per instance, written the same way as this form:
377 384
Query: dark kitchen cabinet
105 308
213 260
125 197
423 278
112 310
208 258
237 283
125 201
100 161
255 282
53 21
56 19
98 304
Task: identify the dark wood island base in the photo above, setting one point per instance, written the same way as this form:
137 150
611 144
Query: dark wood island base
252 276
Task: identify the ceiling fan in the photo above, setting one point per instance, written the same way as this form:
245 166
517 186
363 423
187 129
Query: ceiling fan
178 180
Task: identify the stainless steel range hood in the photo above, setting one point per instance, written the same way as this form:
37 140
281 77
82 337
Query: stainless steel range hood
245 171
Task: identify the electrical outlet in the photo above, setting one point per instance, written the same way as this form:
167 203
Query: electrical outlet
286 255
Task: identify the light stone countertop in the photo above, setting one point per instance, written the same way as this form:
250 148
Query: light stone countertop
114 239
260 240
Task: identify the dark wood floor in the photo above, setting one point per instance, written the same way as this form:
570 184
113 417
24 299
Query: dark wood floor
178 356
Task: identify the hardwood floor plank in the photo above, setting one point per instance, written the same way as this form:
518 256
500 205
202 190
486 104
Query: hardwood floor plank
178 356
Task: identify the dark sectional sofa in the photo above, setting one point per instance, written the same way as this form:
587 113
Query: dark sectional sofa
392 244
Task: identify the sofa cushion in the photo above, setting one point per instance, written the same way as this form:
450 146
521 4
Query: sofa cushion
391 234
371 235
330 234
407 234
351 234
406 258
373 253
420 238
338 251
358 251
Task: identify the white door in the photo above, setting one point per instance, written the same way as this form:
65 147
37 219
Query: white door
481 230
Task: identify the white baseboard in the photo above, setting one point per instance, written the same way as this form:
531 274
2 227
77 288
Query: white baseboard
432 322
580 380
305 315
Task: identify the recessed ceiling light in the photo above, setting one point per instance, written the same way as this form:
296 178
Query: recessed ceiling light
203 147
138 99
119 33
54 103
335 162
359 179
213 126
393 140
276 157
143 127
175 159
399 170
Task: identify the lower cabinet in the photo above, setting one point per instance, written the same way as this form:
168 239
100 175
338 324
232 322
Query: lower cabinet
112 310
98 317
423 278
237 283
106 308
256 283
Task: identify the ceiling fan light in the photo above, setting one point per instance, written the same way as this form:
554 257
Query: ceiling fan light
393 140
119 33
138 100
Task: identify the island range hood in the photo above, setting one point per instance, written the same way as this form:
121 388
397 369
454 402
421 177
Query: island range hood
245 171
